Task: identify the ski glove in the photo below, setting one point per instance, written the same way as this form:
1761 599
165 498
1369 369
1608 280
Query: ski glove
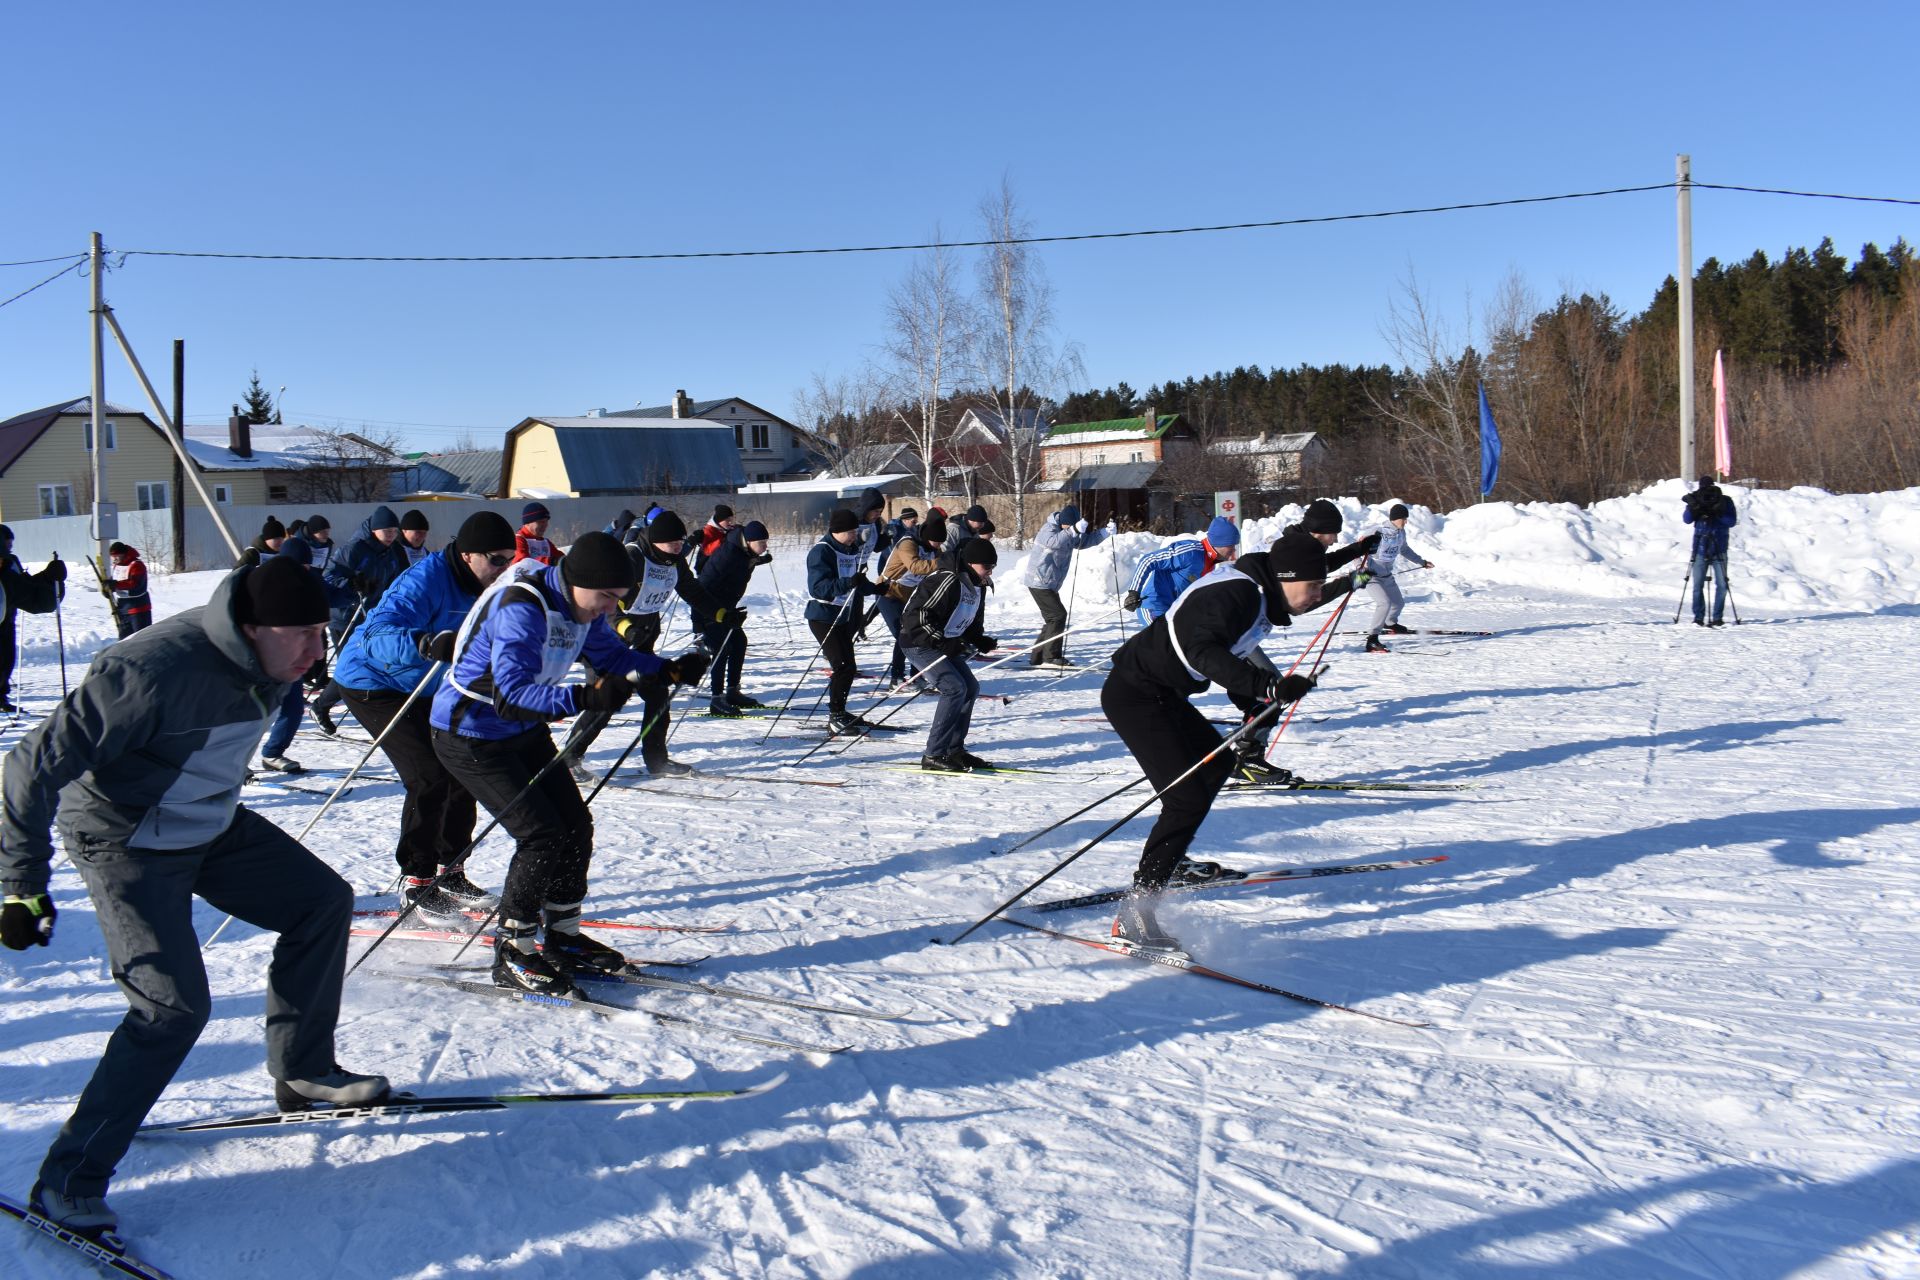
25 921
608 693
56 570
1131 600
435 646
730 617
1370 543
687 668
1279 688
1361 579
986 644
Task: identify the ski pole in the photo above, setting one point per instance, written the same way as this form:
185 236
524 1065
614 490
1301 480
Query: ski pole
719 655
1327 629
598 786
60 628
1113 558
1226 744
780 600
432 669
808 668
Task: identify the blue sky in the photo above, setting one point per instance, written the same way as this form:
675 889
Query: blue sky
484 128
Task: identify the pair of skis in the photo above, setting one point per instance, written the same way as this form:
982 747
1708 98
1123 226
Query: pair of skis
104 1248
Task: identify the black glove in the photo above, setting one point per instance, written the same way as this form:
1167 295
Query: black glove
1371 543
1279 688
1131 600
730 616
986 644
608 693
25 921
687 668
56 570
436 646
636 633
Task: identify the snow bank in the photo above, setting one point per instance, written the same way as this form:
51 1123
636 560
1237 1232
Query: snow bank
1796 549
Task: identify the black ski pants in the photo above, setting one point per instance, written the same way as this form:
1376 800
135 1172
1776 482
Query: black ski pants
550 822
436 819
1167 736
654 697
836 646
9 654
1053 621
728 645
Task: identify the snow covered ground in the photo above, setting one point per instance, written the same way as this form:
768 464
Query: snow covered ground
1669 964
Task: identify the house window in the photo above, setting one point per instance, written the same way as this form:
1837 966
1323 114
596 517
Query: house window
150 495
56 499
760 435
113 435
223 494
1099 459
276 493
739 439
1136 456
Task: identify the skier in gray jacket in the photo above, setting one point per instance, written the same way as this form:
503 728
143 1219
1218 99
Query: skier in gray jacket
144 762
1383 590
1047 568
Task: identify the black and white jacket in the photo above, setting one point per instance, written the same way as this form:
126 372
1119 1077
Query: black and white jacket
946 610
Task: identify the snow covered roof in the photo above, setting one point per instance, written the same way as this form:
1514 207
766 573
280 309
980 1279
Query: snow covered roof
279 447
1112 430
838 486
1289 442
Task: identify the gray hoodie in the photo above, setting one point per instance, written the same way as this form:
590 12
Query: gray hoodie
149 752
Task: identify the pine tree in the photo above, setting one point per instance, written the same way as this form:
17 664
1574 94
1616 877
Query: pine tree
257 406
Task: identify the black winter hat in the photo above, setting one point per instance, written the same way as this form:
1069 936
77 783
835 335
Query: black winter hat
382 518
978 551
598 562
842 520
667 527
415 520
934 530
908 513
1398 511
1298 560
115 548
871 501
483 533
624 519
272 529
1321 517
721 511
534 511
755 531
977 513
1069 514
318 523
280 592
6 534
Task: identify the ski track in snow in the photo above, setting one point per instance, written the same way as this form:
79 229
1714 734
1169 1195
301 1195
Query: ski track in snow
1669 962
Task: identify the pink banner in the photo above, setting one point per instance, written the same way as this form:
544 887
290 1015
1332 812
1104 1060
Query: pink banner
1722 449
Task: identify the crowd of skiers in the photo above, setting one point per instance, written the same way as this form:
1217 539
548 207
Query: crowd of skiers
457 659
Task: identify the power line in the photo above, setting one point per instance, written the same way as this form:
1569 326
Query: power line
49 280
896 248
34 262
1811 195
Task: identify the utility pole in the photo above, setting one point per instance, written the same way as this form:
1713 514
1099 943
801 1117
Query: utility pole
101 535
1683 180
179 494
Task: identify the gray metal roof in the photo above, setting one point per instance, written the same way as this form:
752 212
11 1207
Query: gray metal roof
695 409
475 471
617 459
877 460
1111 475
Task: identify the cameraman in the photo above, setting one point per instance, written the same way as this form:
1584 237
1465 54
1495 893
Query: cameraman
1711 514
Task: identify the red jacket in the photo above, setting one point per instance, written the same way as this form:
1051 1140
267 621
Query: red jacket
528 546
130 585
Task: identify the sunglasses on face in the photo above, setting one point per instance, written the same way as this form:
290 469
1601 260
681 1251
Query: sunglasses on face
500 561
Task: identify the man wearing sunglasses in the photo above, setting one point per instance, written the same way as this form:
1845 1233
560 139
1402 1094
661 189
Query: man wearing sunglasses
390 655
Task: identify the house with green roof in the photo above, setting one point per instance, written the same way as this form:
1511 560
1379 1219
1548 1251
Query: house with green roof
1073 450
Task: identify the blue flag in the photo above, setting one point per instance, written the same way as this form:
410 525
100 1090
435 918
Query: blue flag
1489 446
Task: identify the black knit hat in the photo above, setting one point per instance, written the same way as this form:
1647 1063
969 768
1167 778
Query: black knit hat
755 531
976 513
842 520
482 533
721 511
1398 511
598 562
534 511
116 548
1321 517
414 520
978 551
272 529
908 513
279 592
317 523
667 527
1298 560
934 530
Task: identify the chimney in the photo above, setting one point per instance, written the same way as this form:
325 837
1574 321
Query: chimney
596 413
682 407
1151 416
239 434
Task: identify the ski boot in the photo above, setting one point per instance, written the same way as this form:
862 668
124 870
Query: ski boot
432 903
454 883
1374 645
666 768
1250 766
1190 871
1136 926
324 715
570 950
975 763
743 702
87 1216
1395 629
725 709
527 970
945 764
337 1088
282 764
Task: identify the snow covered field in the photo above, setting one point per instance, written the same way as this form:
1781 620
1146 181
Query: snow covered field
1669 963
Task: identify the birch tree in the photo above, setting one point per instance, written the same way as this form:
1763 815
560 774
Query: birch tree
931 325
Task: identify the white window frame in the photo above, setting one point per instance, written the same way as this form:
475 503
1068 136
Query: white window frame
144 492
55 496
223 495
112 430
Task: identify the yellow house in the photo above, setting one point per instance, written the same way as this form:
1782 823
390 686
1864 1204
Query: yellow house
581 457
46 463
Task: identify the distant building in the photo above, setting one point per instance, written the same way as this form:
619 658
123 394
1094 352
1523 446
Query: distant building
1153 437
467 473
876 460
769 447
1279 461
569 457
